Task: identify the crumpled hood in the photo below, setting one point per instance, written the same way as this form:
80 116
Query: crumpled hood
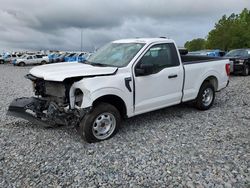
61 71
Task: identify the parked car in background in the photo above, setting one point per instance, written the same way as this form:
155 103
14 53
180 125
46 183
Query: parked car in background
31 59
124 79
211 53
8 58
1 59
61 57
241 60
80 57
52 57
70 57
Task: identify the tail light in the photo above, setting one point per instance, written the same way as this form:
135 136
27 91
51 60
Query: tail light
228 69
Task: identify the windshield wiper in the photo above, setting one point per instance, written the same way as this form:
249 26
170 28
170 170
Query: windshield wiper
100 65
96 64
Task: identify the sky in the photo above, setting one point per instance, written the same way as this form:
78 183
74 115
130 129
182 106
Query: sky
59 24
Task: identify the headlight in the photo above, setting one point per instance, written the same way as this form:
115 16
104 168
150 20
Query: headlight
78 97
241 61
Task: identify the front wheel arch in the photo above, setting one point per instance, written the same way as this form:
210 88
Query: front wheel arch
113 100
22 64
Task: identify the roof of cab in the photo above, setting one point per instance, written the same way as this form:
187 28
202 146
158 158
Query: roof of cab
143 40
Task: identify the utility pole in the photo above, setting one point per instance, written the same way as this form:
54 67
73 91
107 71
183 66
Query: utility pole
81 40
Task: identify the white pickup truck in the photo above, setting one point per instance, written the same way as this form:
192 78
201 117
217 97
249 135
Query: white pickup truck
123 79
30 60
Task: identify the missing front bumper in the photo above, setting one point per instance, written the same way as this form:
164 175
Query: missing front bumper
44 113
24 108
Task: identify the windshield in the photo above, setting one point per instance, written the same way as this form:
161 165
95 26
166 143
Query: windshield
115 54
237 53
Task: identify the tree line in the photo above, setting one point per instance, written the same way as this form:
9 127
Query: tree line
229 33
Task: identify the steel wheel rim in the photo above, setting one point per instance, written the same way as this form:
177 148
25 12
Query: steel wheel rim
207 96
104 125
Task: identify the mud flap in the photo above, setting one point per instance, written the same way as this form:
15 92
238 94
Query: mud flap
18 108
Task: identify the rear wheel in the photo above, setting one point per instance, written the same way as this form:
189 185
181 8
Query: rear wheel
21 64
246 70
206 96
100 124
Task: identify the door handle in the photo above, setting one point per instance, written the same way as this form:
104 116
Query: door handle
172 76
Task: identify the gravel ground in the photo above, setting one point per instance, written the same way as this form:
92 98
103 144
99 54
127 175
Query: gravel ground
173 147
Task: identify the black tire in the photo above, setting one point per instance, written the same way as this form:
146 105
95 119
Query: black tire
1 62
43 62
89 124
21 64
203 102
246 70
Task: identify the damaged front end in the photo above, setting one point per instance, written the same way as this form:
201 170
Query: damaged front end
50 107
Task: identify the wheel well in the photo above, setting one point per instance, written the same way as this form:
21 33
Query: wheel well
115 101
212 80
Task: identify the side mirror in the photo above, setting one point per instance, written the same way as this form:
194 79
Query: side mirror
144 70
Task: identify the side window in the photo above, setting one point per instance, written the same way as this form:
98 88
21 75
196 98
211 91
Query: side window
29 57
161 56
244 53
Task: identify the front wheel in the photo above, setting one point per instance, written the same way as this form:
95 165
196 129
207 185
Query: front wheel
21 64
101 123
206 96
246 70
43 62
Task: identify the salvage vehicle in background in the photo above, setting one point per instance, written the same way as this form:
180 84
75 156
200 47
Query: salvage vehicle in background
53 57
211 53
81 57
30 60
125 78
241 60
70 57
1 59
61 57
8 58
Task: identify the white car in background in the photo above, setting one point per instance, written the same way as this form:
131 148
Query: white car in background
31 59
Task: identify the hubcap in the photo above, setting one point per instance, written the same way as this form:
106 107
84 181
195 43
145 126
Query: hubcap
104 125
207 96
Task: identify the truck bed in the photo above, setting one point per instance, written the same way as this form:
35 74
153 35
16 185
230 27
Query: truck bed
198 68
191 59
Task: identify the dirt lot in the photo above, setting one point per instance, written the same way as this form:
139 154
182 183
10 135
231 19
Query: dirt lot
172 147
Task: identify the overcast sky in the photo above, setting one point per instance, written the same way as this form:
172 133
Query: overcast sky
57 24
